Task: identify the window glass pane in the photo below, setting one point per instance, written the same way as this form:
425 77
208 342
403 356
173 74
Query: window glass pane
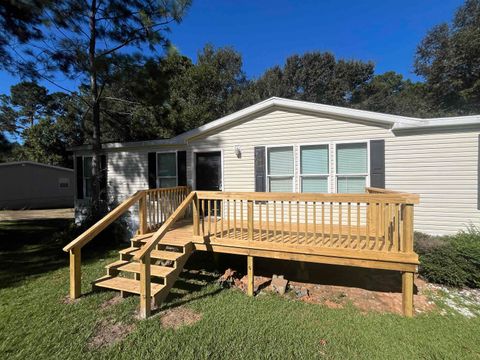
167 164
281 184
167 182
87 167
280 161
88 188
314 159
350 184
315 185
352 158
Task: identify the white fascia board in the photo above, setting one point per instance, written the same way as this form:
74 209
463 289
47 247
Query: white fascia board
287 104
397 122
122 145
455 121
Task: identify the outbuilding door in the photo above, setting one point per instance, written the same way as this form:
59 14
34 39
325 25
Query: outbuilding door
208 170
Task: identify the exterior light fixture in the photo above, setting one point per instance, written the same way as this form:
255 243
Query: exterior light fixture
238 151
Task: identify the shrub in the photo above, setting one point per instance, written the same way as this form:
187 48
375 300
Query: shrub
450 260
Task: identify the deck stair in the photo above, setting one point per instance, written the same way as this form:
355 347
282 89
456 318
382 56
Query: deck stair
167 262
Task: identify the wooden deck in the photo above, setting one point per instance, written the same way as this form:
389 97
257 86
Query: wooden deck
371 230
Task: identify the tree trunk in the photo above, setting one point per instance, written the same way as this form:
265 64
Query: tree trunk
96 205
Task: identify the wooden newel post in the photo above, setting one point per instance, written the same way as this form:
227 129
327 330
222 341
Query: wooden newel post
145 293
75 273
196 216
142 214
407 244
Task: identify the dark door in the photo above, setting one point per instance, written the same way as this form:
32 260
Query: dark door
208 171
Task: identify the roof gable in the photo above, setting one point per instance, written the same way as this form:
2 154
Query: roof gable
396 122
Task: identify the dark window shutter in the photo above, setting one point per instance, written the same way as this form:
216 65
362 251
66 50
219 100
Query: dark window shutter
103 177
260 175
79 178
377 163
152 170
182 168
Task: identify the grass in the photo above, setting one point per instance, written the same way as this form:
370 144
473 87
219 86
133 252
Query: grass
36 322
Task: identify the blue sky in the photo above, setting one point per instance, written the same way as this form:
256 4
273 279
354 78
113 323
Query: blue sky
267 32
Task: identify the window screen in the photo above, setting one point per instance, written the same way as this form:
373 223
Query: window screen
167 169
352 167
314 168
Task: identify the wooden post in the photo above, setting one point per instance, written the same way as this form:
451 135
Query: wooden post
142 214
145 294
250 284
75 273
250 220
407 293
407 277
196 216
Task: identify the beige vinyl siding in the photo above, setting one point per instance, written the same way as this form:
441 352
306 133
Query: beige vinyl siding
127 173
442 168
276 128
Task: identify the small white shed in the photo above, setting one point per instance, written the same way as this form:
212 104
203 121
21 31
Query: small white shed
31 185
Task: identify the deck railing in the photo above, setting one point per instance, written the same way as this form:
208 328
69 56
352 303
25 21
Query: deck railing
380 222
160 204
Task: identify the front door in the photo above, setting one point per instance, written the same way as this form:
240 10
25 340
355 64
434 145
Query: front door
208 170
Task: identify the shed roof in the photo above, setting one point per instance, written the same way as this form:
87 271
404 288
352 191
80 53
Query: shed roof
23 163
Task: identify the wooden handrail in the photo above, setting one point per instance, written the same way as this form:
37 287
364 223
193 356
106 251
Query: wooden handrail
100 225
158 235
401 198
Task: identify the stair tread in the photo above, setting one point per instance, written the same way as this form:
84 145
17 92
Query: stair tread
165 241
125 284
134 267
155 254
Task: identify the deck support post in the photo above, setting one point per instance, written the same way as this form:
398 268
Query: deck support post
407 293
145 294
75 273
250 285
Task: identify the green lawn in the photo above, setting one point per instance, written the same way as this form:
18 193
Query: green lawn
37 323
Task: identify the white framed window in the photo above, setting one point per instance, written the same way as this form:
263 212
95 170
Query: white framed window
167 169
87 176
280 169
314 168
351 167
